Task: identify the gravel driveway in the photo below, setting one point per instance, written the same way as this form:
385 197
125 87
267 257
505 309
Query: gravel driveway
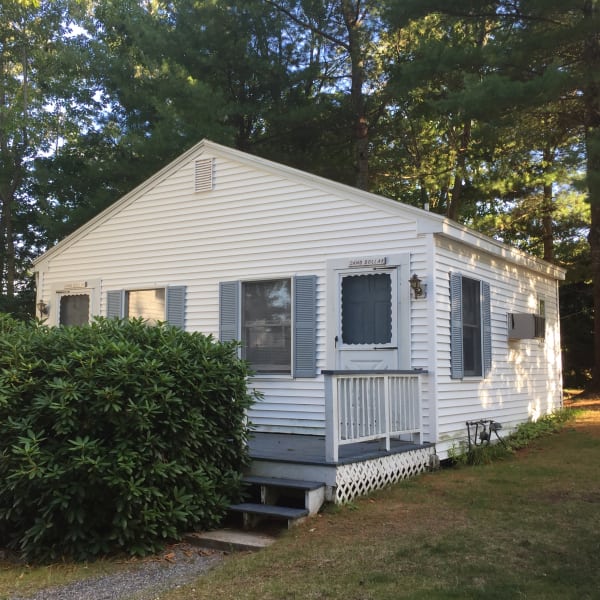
145 580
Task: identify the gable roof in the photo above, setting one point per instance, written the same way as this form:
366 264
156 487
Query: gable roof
426 222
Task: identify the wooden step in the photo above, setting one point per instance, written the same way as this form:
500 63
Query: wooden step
297 484
252 512
273 488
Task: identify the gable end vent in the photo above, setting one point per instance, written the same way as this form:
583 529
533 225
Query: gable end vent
203 175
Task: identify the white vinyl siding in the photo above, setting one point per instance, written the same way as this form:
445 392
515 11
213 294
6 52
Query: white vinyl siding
252 225
517 388
260 222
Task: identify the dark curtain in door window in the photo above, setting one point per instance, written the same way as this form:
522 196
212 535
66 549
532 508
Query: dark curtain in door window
367 309
75 310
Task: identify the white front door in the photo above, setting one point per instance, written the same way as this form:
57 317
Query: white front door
73 308
367 319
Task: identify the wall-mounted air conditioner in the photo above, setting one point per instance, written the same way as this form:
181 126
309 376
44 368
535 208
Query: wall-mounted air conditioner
523 326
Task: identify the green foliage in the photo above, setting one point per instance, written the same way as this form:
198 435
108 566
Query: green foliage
20 306
577 333
116 435
546 425
485 454
521 437
47 95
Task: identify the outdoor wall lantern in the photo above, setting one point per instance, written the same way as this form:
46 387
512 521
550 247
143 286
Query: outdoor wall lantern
43 308
417 286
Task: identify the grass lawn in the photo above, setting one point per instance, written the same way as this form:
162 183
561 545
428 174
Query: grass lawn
524 527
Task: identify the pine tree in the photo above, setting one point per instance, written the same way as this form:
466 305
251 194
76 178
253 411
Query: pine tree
543 56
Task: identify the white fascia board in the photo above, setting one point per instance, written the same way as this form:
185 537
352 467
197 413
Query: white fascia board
483 243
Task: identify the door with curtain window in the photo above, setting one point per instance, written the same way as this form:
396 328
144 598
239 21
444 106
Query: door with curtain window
367 337
74 309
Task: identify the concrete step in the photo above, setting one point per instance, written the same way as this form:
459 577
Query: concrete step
230 540
252 513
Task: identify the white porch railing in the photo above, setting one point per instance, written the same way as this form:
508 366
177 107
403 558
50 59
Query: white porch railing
370 405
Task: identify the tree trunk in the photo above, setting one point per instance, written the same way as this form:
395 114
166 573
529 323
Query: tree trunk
592 143
9 247
2 246
460 172
548 209
357 98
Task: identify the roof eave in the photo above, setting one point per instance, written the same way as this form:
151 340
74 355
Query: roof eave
483 243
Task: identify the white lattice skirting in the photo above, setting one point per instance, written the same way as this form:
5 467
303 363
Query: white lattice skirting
361 478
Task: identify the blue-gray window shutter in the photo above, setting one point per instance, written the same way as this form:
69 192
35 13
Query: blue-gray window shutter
486 324
229 311
305 326
114 304
456 327
175 309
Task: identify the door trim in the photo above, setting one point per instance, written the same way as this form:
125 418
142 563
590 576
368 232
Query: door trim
383 262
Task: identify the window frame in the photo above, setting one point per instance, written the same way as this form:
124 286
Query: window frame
150 320
457 328
392 343
472 331
303 322
268 369
91 287
175 303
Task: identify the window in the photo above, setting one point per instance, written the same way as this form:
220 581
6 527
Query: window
470 324
275 321
74 309
540 320
148 304
267 325
471 301
541 307
156 304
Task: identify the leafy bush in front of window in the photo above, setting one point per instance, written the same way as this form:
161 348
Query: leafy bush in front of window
116 435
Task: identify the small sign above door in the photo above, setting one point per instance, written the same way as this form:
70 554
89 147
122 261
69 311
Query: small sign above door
365 261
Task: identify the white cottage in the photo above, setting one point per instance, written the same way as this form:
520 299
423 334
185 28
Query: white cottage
377 330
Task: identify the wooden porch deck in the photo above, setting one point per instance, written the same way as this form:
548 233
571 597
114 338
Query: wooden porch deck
310 449
360 468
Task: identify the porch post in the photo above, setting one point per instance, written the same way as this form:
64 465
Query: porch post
387 410
331 419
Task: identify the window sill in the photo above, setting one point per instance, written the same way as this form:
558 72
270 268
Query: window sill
272 377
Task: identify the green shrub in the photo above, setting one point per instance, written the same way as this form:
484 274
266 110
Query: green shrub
477 455
525 433
116 435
